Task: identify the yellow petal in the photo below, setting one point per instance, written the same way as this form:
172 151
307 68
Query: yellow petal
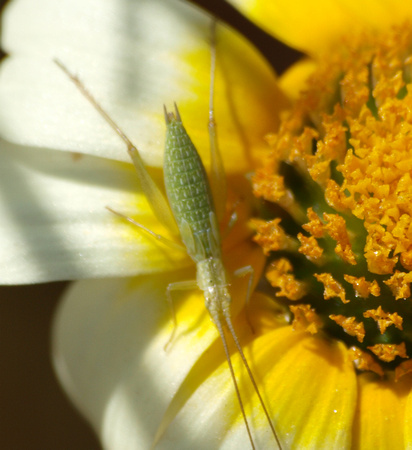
294 80
247 100
308 385
379 421
311 386
408 421
312 25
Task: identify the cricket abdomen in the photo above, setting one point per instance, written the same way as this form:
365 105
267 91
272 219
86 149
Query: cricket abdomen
189 194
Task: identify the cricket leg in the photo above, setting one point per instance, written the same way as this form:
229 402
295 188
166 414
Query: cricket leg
177 286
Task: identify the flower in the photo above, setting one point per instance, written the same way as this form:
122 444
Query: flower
61 165
338 239
336 233
41 110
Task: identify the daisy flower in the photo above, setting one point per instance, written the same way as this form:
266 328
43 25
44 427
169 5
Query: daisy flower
330 344
64 166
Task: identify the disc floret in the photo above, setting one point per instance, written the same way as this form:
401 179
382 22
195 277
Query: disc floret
338 213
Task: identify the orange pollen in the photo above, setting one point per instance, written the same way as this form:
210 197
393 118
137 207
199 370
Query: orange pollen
280 275
399 284
332 287
310 248
269 186
384 319
362 287
339 173
350 326
315 227
336 227
364 361
271 236
388 352
305 319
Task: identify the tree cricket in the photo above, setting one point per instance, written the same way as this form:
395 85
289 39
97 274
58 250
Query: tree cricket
190 206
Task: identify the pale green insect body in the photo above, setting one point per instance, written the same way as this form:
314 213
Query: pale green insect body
189 194
191 201
211 279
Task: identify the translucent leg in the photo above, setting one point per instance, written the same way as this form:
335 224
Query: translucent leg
244 271
159 237
233 218
177 286
218 178
153 194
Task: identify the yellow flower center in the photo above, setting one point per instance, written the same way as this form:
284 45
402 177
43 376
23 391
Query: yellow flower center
338 186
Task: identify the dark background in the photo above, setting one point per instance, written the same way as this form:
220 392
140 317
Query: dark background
34 412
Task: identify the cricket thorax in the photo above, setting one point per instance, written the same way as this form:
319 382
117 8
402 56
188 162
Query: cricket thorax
211 279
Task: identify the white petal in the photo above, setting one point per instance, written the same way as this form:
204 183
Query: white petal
108 348
54 225
124 51
134 56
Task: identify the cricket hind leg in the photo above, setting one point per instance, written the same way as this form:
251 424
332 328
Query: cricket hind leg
152 192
